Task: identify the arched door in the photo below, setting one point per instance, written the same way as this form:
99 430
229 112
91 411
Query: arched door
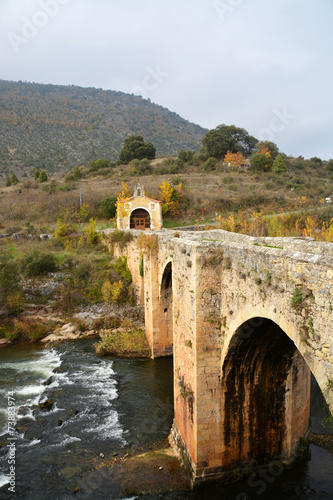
140 219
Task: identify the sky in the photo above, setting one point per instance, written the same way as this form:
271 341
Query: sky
265 66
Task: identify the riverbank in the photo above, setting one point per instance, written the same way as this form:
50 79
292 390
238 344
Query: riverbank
155 471
118 328
158 470
323 441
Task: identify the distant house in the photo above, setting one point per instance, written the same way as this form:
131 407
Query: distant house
139 212
246 164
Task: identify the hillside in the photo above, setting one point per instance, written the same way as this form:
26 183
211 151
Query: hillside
221 190
54 127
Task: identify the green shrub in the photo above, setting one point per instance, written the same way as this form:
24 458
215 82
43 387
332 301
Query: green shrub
141 266
9 274
121 237
297 297
83 271
14 180
37 263
108 207
43 177
121 267
113 292
77 173
68 187
130 340
210 164
227 180
14 301
92 236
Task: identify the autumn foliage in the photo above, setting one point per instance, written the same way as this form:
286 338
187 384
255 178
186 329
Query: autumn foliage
172 199
235 159
257 224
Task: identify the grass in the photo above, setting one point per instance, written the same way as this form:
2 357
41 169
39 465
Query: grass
297 297
127 341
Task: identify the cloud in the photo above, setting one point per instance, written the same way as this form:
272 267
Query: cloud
228 61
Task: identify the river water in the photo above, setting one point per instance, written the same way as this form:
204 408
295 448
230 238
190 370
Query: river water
102 405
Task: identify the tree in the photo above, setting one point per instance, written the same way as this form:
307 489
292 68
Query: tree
235 159
8 183
108 207
172 199
14 180
186 156
261 161
122 200
135 147
36 174
329 165
43 176
182 155
316 160
224 138
271 146
76 172
279 165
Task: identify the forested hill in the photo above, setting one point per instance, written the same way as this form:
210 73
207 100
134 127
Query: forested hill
56 127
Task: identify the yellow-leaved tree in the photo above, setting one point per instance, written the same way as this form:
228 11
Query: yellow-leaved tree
235 159
166 194
172 198
122 199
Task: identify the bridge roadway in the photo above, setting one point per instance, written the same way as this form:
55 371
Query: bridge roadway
247 320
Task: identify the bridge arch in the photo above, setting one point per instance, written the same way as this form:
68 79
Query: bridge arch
166 306
265 394
247 316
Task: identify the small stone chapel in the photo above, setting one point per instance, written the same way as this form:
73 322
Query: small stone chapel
140 212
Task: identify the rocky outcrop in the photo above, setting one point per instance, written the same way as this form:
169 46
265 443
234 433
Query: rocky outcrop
68 332
4 342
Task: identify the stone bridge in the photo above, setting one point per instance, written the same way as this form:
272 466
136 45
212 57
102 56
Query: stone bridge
247 320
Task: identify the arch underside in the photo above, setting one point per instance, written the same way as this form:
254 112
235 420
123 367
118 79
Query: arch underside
266 395
166 309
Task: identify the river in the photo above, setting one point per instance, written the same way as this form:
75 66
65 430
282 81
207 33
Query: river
102 405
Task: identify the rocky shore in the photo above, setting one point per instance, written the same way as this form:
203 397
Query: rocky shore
104 321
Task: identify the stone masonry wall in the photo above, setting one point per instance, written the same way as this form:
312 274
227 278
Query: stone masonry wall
221 281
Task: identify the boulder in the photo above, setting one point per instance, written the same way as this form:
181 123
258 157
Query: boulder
4 342
46 405
45 237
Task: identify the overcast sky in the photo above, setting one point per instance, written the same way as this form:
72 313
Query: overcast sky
264 65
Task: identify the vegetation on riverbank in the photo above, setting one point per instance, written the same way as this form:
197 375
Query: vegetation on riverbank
126 341
43 284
